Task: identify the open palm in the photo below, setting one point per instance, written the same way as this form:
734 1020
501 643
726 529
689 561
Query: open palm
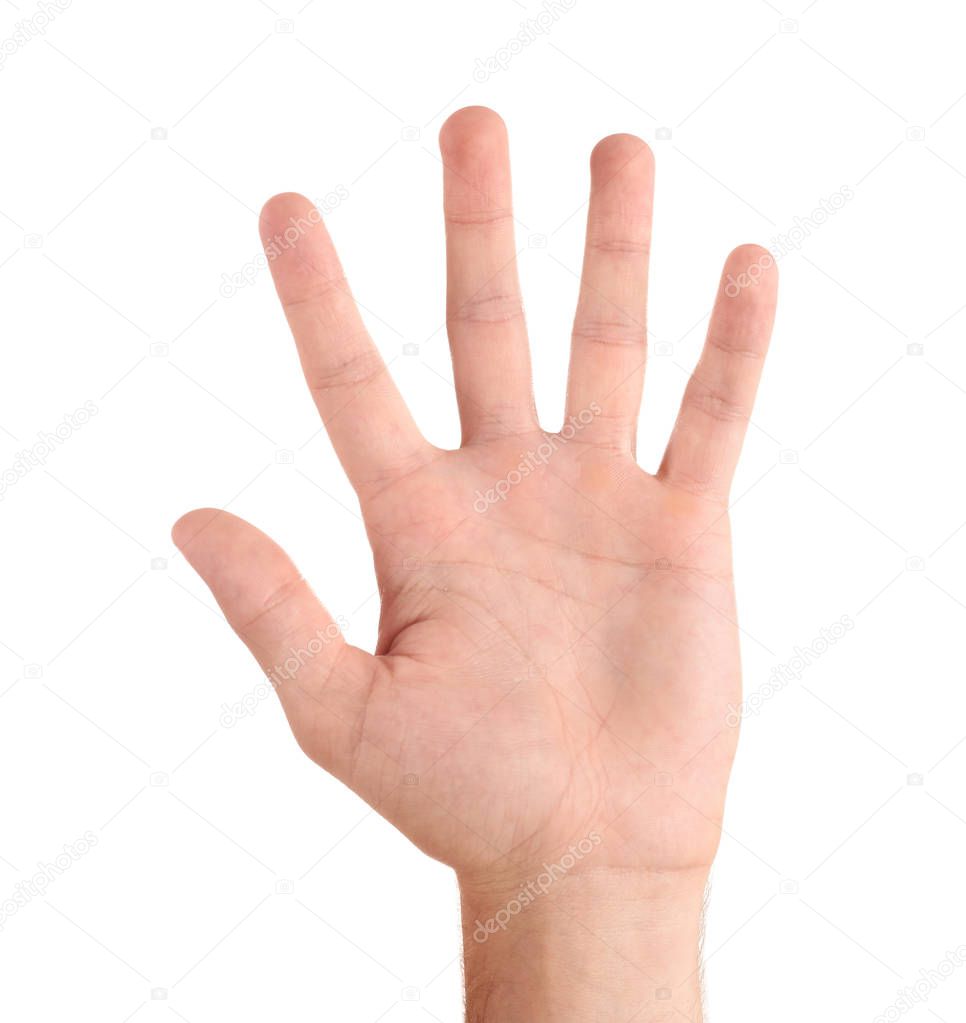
558 647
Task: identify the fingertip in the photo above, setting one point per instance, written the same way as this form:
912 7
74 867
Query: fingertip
617 152
749 283
240 564
297 245
279 211
752 259
184 531
471 131
206 535
750 252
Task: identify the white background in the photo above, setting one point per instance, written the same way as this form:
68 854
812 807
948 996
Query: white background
113 671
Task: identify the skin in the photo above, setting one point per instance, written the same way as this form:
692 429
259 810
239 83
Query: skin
554 667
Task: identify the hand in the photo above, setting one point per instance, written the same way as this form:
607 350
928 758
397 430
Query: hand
557 646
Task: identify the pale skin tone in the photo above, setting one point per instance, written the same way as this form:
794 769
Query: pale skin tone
554 669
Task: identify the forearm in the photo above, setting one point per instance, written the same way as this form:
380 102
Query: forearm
607 947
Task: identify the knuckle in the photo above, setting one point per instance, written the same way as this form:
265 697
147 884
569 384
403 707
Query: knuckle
715 404
734 346
618 332
705 486
619 245
498 307
478 218
320 291
356 366
273 603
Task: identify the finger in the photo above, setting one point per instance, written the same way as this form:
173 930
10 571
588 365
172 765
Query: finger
609 343
371 429
706 442
484 310
321 681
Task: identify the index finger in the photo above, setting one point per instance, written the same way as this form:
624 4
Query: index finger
370 426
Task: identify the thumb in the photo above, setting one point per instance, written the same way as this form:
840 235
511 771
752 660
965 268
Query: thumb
322 681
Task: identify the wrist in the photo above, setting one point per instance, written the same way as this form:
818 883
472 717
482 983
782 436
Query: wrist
597 945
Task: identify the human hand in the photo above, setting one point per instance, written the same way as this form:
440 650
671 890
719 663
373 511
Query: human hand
557 646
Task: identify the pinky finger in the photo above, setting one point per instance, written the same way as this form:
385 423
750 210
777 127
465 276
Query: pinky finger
704 447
